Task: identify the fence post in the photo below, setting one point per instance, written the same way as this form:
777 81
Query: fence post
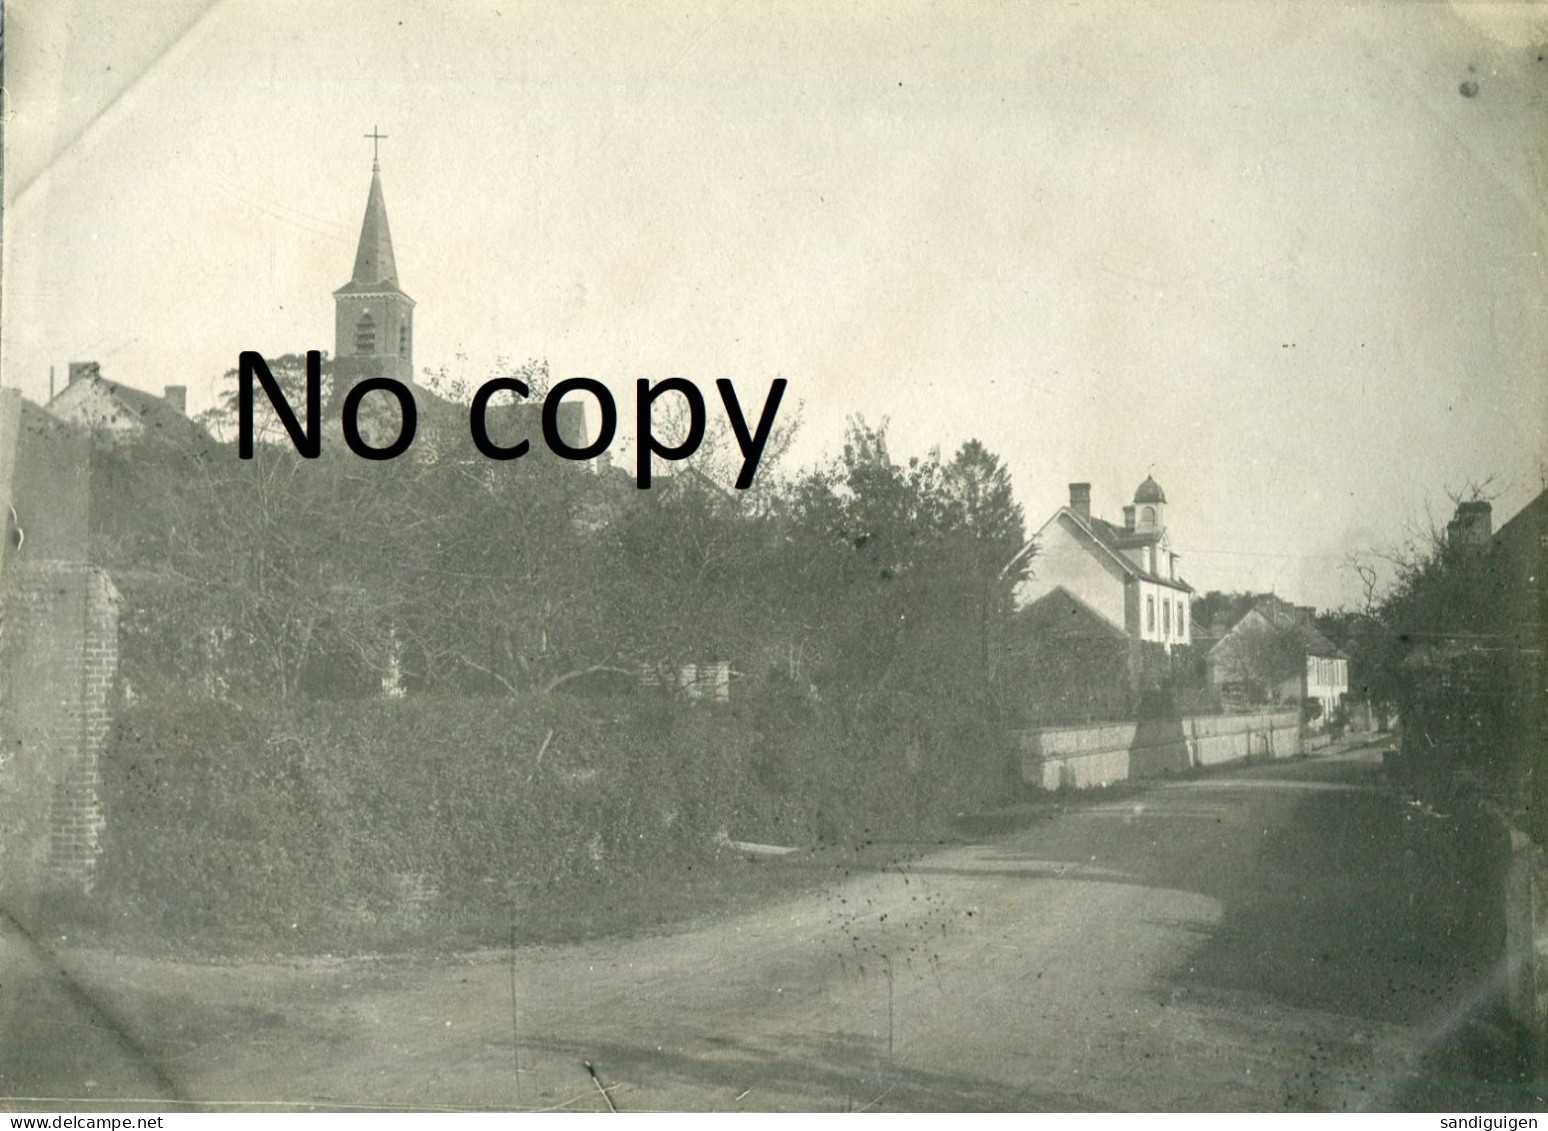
1536 867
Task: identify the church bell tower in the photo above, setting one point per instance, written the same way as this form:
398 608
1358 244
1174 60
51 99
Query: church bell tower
373 319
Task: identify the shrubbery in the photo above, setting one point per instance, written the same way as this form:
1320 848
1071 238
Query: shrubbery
393 812
859 605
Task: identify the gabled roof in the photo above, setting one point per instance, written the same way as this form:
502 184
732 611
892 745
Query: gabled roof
1286 618
158 418
1113 540
1119 537
1524 530
151 409
376 269
1065 614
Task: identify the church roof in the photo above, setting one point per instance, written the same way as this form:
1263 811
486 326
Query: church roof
1149 492
375 268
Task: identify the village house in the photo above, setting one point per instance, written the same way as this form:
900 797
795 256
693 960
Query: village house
1275 651
1125 575
1477 682
121 414
1104 616
1512 579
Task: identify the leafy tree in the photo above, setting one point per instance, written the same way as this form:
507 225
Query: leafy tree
904 565
332 575
1262 655
289 373
280 568
1452 645
994 527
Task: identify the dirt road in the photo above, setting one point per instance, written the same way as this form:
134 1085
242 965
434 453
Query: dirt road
1270 938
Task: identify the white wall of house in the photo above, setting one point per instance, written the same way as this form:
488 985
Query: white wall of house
1327 680
1064 557
1166 615
91 405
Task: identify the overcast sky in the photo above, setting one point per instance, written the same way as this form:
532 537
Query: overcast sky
1277 255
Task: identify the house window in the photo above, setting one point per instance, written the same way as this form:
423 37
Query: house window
1182 618
1150 614
1148 516
1166 617
403 340
365 334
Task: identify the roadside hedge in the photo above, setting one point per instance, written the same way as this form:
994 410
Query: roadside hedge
388 812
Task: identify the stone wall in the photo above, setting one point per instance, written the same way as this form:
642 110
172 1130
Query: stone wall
1087 756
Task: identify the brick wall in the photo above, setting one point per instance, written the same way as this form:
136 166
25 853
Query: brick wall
58 671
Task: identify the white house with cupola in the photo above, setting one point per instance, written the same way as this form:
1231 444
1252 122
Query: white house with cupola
1124 575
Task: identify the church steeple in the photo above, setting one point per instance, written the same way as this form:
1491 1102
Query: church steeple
373 318
374 261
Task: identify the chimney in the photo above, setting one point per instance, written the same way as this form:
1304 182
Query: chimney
1080 500
177 397
1472 527
84 371
1128 517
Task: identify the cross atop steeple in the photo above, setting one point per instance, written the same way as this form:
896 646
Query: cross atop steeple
376 139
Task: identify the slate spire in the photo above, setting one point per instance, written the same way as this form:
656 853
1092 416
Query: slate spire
374 263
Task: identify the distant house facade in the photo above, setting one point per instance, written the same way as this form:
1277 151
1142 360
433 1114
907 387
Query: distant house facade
1275 651
1127 575
120 414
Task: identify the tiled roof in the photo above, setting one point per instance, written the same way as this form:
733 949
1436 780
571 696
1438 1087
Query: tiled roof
1284 616
1117 540
1525 527
1067 615
158 417
1120 537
